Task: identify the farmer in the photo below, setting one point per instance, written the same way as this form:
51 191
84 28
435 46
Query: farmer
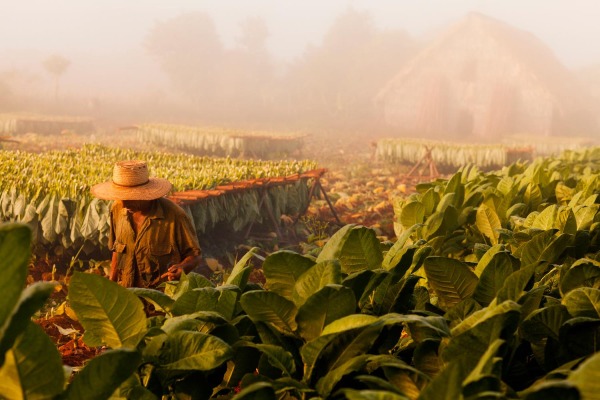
151 238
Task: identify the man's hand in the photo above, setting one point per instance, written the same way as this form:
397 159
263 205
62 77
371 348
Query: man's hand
174 272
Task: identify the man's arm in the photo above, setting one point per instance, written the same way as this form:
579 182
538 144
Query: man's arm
187 265
113 268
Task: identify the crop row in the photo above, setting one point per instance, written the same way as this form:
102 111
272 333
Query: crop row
50 191
449 156
220 141
16 124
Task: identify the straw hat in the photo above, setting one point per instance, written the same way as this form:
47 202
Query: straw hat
131 181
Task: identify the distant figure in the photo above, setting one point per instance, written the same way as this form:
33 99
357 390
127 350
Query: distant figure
152 238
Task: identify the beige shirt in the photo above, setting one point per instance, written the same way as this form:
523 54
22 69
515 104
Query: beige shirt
166 236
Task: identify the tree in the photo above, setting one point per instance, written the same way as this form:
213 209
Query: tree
336 82
190 52
56 65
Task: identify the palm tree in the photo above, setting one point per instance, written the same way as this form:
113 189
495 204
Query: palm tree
56 65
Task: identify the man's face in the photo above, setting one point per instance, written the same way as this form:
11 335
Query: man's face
136 205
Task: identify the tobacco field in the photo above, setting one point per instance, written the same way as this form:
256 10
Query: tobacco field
480 284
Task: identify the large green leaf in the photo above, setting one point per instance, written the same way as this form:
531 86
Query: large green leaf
241 270
585 215
480 329
583 302
327 383
544 323
14 256
586 378
49 219
516 283
488 223
412 214
546 219
486 367
447 385
326 353
193 351
257 391
496 271
199 299
356 247
583 272
544 247
282 269
33 367
451 280
110 314
328 304
553 390
103 374
277 356
160 300
270 307
32 299
349 322
327 272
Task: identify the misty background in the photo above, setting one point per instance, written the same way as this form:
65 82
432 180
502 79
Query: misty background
256 64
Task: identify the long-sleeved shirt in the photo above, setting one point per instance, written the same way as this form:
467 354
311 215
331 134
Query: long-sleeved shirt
166 236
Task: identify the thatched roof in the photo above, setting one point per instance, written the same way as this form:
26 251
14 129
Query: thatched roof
484 78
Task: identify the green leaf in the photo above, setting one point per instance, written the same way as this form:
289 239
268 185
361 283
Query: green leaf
103 374
195 321
488 223
544 323
327 272
447 385
49 219
586 378
160 300
583 302
480 329
583 272
32 299
553 390
270 307
487 364
451 280
327 383
493 276
241 270
412 214
14 257
356 247
186 351
515 283
349 322
277 356
544 247
328 304
199 299
257 391
110 314
33 367
282 269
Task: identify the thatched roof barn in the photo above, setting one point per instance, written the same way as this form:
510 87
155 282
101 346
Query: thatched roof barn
485 79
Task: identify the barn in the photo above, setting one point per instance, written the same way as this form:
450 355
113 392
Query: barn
483 79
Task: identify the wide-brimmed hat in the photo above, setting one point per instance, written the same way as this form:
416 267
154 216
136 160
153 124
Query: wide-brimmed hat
131 181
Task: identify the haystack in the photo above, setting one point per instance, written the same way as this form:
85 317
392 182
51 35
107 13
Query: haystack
484 79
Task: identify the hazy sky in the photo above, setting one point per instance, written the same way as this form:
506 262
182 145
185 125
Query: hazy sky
113 30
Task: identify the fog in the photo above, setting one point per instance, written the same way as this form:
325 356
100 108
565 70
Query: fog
268 64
